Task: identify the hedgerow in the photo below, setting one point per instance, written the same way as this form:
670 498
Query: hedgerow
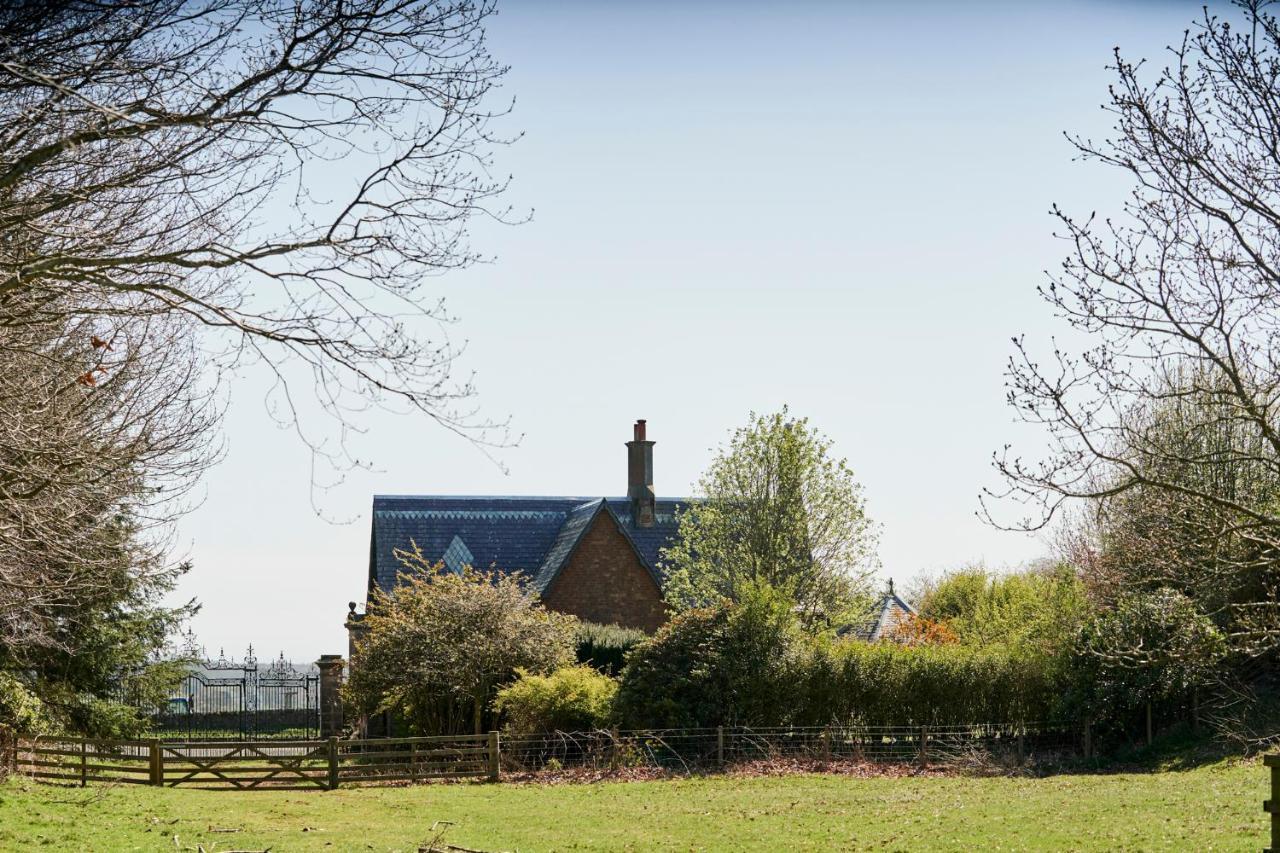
605 647
750 664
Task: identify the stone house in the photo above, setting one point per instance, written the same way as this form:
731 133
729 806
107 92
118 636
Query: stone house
593 557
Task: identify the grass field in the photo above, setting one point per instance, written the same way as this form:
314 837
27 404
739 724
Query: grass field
1214 807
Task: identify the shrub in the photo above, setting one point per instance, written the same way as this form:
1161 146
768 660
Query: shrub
1040 609
573 698
1149 647
20 709
439 645
605 647
722 665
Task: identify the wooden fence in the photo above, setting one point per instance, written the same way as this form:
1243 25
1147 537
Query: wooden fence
325 764
1272 806
274 764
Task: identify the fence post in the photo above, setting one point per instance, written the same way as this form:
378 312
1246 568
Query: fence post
826 745
333 762
924 744
1195 709
330 698
84 770
157 763
494 757
720 745
1149 738
1022 747
1088 739
1272 806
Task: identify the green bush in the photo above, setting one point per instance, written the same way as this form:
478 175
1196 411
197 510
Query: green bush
1149 647
438 646
20 709
722 665
1038 609
573 698
605 647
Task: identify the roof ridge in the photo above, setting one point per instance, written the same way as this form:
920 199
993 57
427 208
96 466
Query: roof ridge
581 498
560 552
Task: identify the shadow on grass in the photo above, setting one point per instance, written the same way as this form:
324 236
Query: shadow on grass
1177 750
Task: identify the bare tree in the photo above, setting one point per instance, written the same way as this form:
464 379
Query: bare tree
161 157
100 440
184 185
1169 421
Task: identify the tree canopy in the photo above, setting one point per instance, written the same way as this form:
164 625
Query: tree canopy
775 507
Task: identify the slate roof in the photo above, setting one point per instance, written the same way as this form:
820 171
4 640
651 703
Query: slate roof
532 535
882 619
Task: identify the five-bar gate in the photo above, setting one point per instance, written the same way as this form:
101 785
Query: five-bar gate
274 764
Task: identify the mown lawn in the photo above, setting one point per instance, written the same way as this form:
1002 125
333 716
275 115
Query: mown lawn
1216 807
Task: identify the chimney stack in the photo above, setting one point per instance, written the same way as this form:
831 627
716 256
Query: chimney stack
640 477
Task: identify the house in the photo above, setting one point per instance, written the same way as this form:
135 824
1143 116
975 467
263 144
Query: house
593 557
883 620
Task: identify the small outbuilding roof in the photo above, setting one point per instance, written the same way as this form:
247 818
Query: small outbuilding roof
883 619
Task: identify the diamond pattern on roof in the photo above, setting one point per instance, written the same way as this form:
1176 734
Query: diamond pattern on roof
531 535
457 556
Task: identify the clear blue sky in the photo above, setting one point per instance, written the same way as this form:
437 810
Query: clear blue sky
841 207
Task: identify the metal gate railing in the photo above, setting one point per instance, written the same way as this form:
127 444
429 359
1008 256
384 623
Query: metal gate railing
228 699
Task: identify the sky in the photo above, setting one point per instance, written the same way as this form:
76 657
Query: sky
838 207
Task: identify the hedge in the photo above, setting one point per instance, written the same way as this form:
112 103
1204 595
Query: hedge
747 665
605 647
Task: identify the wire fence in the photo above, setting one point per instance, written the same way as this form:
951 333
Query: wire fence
328 763
700 749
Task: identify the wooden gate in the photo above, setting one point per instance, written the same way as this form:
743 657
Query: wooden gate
249 764
261 764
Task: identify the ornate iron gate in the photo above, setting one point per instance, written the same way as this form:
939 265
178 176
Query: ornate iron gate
227 699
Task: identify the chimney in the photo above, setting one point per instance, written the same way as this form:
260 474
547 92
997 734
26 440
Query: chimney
640 477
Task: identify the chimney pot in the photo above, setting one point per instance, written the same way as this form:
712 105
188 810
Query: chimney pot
639 430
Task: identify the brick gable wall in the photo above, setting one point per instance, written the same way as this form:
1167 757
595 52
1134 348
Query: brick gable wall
605 582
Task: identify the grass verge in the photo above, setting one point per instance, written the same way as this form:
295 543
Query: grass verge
1210 807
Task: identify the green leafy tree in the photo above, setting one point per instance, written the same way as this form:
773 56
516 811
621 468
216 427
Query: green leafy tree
775 508
1040 609
440 644
95 670
1148 647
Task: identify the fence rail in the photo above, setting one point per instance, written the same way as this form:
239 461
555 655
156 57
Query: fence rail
325 764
